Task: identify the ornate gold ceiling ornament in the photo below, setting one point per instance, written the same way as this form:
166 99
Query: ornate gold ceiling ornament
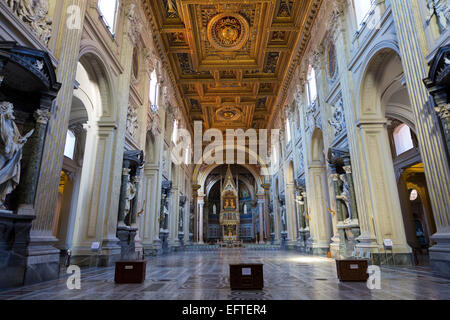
228 113
228 31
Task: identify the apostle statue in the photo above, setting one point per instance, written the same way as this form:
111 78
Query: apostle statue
131 194
11 145
345 196
283 217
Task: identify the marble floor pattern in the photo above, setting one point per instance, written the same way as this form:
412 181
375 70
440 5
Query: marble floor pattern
205 276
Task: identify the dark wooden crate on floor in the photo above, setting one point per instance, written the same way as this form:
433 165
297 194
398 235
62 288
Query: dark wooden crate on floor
130 272
352 270
246 277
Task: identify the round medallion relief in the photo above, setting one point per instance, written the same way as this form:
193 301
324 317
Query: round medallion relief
228 113
228 31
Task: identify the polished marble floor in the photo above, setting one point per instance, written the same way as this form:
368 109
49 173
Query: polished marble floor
205 276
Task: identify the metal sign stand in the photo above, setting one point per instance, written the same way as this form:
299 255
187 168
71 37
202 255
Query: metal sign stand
388 246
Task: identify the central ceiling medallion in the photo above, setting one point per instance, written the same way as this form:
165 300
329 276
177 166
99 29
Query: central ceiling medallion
228 31
228 113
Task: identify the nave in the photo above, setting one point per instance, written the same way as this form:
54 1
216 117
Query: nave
196 275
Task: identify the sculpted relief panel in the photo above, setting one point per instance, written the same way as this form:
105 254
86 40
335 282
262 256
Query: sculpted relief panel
34 13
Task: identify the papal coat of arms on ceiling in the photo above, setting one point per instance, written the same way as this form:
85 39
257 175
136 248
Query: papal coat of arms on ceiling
228 31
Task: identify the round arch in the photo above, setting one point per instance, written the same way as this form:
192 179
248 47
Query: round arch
201 171
93 61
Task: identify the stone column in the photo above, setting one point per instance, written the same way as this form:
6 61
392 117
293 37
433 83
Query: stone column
267 221
291 213
94 218
151 189
320 221
191 222
29 180
174 206
201 203
382 201
261 202
412 45
195 189
66 50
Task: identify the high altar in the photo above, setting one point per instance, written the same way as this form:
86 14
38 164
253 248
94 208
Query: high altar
229 212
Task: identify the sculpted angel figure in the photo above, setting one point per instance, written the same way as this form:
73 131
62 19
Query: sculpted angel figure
338 121
34 12
11 145
440 8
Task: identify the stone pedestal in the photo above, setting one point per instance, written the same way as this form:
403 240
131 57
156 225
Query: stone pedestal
164 237
348 233
302 240
14 241
284 239
126 237
440 253
181 239
42 259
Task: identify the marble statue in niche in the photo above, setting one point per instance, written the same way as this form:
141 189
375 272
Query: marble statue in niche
214 209
283 217
34 13
131 194
11 146
345 197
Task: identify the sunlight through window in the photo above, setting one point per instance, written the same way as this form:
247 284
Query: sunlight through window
69 149
403 139
362 8
108 10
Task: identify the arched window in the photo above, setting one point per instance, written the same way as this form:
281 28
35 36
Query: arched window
288 131
362 8
153 92
175 132
312 85
187 157
274 156
69 149
402 139
108 11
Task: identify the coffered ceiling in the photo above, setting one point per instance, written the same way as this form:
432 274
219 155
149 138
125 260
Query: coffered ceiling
231 59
